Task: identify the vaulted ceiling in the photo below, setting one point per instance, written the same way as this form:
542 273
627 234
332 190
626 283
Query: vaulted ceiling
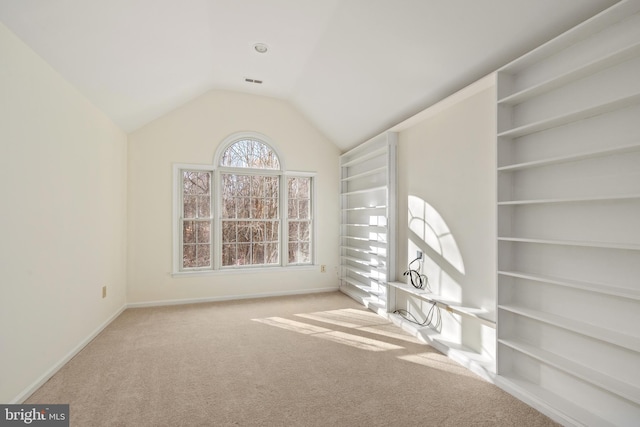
353 67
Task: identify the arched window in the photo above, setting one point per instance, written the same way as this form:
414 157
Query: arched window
257 223
250 153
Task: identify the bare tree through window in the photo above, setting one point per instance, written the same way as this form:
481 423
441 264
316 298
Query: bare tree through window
251 206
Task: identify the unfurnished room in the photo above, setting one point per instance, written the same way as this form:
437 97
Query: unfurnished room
320 213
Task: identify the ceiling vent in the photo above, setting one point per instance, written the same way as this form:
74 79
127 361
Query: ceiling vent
253 81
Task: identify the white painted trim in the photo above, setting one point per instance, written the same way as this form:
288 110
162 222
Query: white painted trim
229 297
24 395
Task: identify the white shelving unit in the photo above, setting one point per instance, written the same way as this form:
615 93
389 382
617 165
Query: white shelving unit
368 180
568 147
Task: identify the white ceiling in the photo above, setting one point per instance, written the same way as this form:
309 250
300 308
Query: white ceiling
353 67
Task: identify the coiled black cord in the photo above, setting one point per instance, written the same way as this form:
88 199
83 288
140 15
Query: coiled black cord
418 280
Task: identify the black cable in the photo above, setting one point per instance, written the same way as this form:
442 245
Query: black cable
434 311
418 281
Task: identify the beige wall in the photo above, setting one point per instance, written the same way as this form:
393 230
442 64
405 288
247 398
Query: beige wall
446 166
191 134
63 228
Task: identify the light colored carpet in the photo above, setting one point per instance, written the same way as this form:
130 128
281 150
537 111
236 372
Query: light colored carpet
311 360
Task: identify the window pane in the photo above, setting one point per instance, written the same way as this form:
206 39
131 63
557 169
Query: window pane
271 233
258 253
204 206
228 208
190 203
271 253
188 256
203 255
244 254
203 232
244 232
188 232
299 253
292 211
257 186
244 207
303 209
293 231
250 153
303 231
228 254
228 231
271 186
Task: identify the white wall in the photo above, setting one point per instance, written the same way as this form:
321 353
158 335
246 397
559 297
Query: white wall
191 134
446 182
63 228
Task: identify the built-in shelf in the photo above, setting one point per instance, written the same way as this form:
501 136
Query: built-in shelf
575 284
571 413
608 383
365 190
376 243
371 172
367 196
588 71
364 208
586 329
571 158
451 306
377 267
382 151
577 73
605 245
570 117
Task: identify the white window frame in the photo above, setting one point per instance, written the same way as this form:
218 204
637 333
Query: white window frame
216 200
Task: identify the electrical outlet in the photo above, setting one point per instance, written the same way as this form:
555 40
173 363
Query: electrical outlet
419 254
323 268
104 291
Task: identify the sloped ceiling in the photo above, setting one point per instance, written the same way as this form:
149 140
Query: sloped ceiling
353 67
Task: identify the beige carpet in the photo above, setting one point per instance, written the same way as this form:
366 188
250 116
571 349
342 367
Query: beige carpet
312 360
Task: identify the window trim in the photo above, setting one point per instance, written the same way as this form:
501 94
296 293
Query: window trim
216 213
177 215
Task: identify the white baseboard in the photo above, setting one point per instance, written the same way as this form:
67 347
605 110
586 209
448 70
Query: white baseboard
229 297
24 395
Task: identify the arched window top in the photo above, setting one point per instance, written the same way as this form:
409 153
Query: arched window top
251 153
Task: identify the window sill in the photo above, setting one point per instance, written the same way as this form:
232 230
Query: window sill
244 270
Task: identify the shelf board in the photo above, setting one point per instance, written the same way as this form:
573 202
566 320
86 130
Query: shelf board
604 245
577 73
365 174
582 372
363 273
450 306
370 155
364 262
571 200
379 227
376 243
364 191
575 284
571 158
573 116
363 287
365 208
603 334
363 251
